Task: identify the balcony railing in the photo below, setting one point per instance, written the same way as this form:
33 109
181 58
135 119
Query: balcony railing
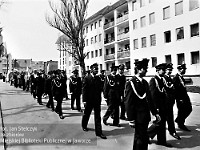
109 57
123 36
109 24
109 40
123 54
123 18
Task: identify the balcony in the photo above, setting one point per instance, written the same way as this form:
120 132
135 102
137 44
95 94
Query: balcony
122 18
108 25
109 40
123 54
123 36
109 57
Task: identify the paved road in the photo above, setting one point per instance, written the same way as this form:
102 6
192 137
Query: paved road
24 119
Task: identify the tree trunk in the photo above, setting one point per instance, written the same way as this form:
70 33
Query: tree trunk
82 65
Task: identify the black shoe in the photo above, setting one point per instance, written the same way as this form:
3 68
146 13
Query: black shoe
102 136
175 135
40 104
47 106
80 110
105 122
52 110
149 141
62 117
164 144
85 129
183 127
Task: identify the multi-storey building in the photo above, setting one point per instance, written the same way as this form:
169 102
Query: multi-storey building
65 60
165 31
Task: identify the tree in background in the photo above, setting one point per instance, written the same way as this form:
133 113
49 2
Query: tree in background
69 17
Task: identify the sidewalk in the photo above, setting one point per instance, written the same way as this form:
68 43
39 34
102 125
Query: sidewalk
19 108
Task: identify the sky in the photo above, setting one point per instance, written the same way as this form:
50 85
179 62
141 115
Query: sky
27 34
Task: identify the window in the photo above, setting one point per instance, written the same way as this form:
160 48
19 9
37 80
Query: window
135 44
168 58
91 40
143 21
128 64
193 4
92 54
86 42
88 56
179 33
91 26
194 28
153 40
134 5
166 13
152 18
134 24
112 50
86 29
99 37
100 52
100 65
96 53
181 58
100 23
154 61
95 38
179 8
142 3
95 25
167 36
107 51
144 42
151 1
107 66
88 68
195 57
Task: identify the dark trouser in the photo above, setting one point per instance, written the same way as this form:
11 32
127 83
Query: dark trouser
78 101
170 119
141 137
39 98
184 110
122 105
112 109
50 102
161 132
59 106
97 117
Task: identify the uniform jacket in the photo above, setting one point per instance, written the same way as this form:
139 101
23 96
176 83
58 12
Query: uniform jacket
122 82
58 89
39 84
169 89
75 85
102 77
91 89
138 108
112 89
48 85
158 94
180 89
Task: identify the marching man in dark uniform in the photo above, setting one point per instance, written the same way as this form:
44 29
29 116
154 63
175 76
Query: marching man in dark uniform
112 94
92 100
122 82
137 102
159 99
58 90
182 99
48 91
39 84
170 92
75 87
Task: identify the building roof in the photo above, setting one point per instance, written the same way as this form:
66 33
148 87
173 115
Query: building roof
62 38
104 11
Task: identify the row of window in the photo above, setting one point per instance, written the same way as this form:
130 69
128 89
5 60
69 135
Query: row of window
96 53
194 31
194 4
180 58
94 39
93 26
